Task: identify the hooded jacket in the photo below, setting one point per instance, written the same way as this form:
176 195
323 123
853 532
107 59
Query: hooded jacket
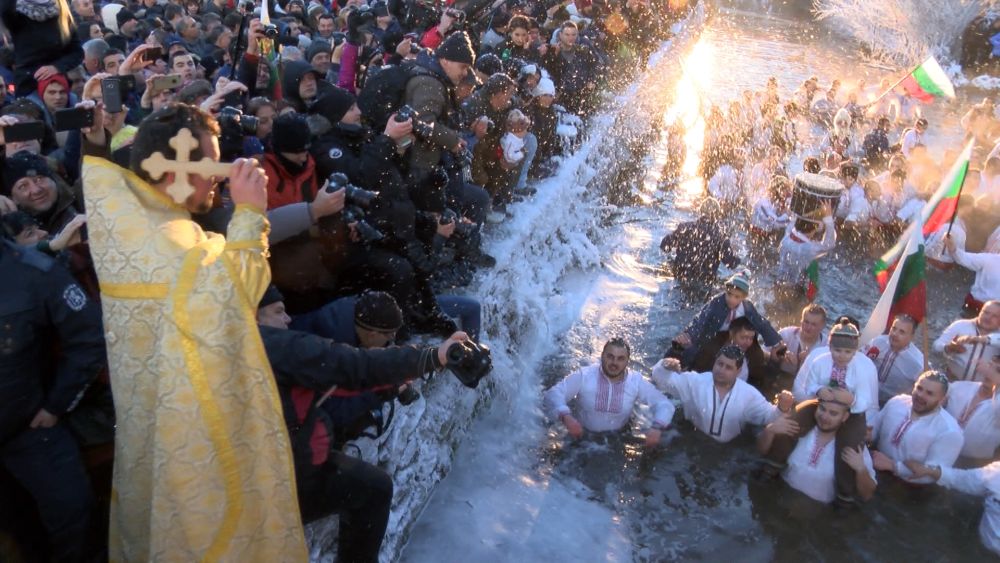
294 71
430 93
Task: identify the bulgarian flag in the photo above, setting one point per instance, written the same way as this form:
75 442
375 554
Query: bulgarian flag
812 276
906 290
940 209
928 81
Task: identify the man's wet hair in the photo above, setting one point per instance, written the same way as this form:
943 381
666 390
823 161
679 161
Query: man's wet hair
732 352
907 319
935 375
740 324
617 342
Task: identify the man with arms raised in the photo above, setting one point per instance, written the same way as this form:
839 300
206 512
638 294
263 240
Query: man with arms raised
607 392
719 403
916 427
811 466
203 467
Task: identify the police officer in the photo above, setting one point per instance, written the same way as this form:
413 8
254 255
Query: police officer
38 300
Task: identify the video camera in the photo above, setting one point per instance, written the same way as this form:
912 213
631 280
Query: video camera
234 125
469 361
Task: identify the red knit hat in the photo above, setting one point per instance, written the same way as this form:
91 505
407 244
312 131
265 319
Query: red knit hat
60 78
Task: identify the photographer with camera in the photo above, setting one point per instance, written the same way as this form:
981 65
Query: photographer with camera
452 20
309 370
290 169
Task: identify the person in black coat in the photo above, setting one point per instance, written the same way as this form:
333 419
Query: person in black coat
700 246
305 368
41 309
44 39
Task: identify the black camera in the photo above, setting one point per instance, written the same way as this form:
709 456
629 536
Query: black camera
232 117
368 233
470 362
464 230
271 31
408 395
458 17
420 128
353 195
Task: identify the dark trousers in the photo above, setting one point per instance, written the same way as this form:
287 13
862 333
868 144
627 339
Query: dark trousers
360 492
46 463
469 200
851 435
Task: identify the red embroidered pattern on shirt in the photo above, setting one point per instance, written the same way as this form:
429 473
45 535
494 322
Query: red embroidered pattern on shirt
610 396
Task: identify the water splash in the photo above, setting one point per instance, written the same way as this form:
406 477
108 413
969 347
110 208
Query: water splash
902 32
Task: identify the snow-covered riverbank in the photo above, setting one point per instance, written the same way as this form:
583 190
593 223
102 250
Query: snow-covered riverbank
551 243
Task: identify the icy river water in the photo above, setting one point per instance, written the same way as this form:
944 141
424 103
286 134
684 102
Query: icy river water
521 491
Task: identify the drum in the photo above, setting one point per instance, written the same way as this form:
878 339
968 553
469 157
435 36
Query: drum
810 192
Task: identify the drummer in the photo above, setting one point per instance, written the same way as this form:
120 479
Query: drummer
807 240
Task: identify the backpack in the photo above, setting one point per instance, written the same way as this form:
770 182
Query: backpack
383 93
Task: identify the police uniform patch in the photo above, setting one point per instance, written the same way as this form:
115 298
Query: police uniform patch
74 297
336 153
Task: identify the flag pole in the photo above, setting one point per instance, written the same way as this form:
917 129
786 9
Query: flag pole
959 198
927 343
890 88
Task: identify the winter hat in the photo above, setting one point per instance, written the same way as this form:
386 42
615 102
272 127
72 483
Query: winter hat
739 281
333 104
123 16
489 64
314 10
60 78
844 335
316 47
23 164
271 296
380 9
290 133
457 48
109 14
377 310
545 88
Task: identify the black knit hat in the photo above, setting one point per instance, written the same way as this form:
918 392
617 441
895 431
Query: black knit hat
316 47
290 133
123 16
271 296
333 104
457 48
377 310
21 165
489 64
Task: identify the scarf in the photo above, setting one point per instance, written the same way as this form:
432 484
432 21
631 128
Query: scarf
38 10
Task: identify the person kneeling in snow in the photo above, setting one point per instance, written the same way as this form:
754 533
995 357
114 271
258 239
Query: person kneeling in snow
606 393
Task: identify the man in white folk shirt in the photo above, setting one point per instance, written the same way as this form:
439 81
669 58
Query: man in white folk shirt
606 393
811 466
976 407
984 482
841 367
800 340
986 265
917 427
719 403
898 361
962 346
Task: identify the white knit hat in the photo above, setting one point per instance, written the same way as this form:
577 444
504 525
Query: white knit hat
545 88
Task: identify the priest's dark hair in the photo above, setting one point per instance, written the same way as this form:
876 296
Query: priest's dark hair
159 127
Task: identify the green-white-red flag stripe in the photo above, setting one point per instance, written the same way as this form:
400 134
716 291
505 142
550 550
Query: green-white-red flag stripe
928 81
938 211
906 290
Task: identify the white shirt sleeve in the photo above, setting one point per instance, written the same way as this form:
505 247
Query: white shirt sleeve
945 338
663 409
558 396
758 410
971 481
671 382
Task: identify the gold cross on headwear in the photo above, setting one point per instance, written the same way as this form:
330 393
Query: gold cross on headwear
183 143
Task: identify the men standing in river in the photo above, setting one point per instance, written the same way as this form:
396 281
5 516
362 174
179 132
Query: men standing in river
606 393
963 346
719 403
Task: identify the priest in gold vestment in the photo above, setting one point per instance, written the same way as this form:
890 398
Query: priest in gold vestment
203 469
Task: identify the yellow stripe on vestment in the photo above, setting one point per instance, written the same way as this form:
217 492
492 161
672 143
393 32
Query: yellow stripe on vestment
135 290
210 412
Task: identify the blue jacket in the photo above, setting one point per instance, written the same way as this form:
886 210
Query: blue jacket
707 323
